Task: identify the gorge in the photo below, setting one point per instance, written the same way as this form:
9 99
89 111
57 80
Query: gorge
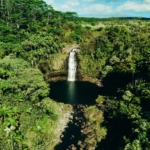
79 94
58 69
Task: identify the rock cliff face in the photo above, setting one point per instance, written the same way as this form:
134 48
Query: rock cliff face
59 65
68 48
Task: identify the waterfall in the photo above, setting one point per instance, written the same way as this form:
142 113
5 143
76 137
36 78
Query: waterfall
72 66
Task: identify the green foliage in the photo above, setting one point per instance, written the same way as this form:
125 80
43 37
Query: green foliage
135 145
21 81
113 50
28 118
94 132
106 70
127 95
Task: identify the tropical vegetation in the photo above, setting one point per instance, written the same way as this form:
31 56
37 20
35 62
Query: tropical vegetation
115 51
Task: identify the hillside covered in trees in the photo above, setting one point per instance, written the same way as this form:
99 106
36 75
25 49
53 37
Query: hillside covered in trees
114 51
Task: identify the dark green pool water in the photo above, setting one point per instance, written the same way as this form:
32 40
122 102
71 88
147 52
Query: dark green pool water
74 92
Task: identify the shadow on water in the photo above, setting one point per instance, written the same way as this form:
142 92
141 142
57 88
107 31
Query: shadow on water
78 92
72 135
74 92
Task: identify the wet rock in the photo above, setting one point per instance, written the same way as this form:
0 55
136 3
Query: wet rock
79 143
61 136
76 118
73 147
72 137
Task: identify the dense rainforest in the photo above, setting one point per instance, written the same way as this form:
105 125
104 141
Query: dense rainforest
114 51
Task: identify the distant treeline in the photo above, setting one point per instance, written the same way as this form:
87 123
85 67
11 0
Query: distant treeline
92 19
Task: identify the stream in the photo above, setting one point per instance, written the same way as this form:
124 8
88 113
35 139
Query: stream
79 95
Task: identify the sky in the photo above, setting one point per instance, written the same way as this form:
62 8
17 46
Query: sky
103 8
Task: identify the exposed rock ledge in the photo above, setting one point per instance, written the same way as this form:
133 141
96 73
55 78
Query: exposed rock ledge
96 81
66 117
68 48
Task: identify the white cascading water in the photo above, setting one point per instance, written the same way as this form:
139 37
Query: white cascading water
72 66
